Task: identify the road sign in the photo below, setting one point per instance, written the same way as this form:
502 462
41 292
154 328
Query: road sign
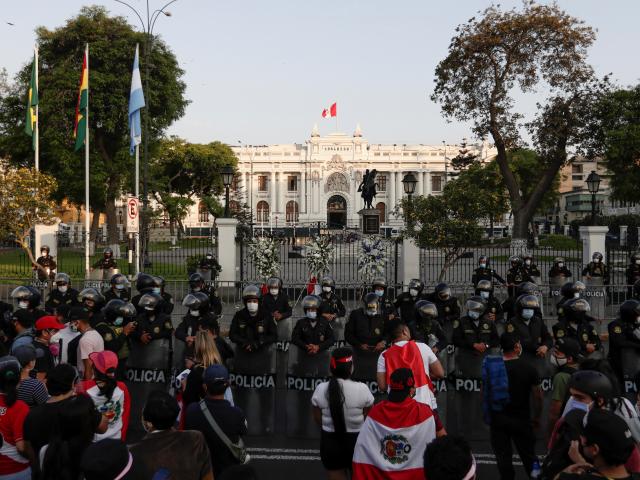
133 215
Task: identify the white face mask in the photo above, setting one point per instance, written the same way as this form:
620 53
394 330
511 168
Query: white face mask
326 289
473 315
119 287
273 291
527 262
576 295
596 260
149 309
312 315
252 307
196 289
413 292
636 332
194 313
23 304
371 311
560 265
637 262
209 257
63 288
379 293
156 290
557 362
527 313
484 294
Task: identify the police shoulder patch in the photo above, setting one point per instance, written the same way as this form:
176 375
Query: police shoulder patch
617 329
456 323
108 337
485 326
585 337
156 330
510 328
560 333
167 325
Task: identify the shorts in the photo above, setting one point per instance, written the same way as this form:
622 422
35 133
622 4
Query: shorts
336 449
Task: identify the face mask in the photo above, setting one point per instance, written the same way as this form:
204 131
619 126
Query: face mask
527 313
44 254
371 312
413 292
596 260
572 404
156 290
312 315
118 321
63 288
527 262
273 291
636 333
252 307
560 265
637 262
474 315
557 362
576 295
209 257
23 304
326 289
119 287
194 313
483 265
149 309
196 289
484 294
379 293
73 327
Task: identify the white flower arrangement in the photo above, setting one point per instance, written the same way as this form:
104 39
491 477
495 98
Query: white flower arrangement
264 252
373 257
319 254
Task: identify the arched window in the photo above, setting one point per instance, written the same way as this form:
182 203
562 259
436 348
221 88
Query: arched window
382 212
262 210
203 213
292 212
234 206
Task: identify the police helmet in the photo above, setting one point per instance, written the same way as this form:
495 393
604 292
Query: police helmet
274 282
527 302
26 294
328 281
144 282
636 289
416 284
208 254
576 309
597 255
108 252
46 248
91 294
526 288
426 310
484 286
310 301
443 291
250 292
630 311
118 279
567 290
579 287
476 304
191 302
635 257
196 280
558 260
379 282
593 383
515 260
118 308
370 301
528 256
204 300
62 279
150 301
159 281
483 259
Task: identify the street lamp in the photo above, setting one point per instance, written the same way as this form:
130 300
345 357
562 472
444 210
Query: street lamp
227 179
409 183
593 185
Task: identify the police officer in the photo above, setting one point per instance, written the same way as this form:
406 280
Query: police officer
569 291
63 294
197 318
633 273
474 333
152 322
379 287
530 328
312 334
28 298
118 324
144 284
531 271
447 305
365 329
93 301
329 297
559 272
509 305
406 302
636 290
515 274
118 288
427 327
107 261
596 269
159 288
197 284
209 264
251 328
624 333
484 289
47 262
577 324
485 272
276 302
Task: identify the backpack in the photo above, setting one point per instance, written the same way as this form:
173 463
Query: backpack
557 459
495 386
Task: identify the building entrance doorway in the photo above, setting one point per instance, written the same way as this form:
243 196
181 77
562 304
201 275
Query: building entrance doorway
336 212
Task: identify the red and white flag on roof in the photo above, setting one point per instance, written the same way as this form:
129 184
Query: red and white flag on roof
332 111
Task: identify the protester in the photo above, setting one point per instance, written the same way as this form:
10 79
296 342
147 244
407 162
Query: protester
340 406
30 390
230 420
22 321
89 342
206 354
65 336
45 328
564 357
449 458
14 464
107 459
391 426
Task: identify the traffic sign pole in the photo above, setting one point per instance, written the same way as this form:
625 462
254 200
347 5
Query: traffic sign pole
133 228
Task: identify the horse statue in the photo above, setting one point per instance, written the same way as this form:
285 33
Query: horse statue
368 187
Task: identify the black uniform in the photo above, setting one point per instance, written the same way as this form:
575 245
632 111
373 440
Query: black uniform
190 325
313 332
215 305
466 333
582 332
46 262
531 336
125 295
596 270
167 304
620 337
117 342
279 303
336 306
159 327
406 306
421 330
362 329
485 274
563 272
387 307
106 263
633 275
448 310
531 273
494 306
209 264
258 331
56 298
515 276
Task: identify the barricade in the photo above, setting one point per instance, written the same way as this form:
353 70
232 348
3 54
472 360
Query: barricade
630 367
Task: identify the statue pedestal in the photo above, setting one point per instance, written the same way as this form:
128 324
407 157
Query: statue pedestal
369 221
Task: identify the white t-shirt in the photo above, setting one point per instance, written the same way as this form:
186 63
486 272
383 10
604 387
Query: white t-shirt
357 396
66 335
423 393
91 341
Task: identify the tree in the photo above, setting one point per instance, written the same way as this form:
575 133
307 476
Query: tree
112 44
25 201
447 223
539 47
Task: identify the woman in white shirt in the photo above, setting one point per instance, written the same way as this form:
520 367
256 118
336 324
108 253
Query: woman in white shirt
339 407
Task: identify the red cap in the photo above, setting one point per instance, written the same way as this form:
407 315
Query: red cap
48 322
105 362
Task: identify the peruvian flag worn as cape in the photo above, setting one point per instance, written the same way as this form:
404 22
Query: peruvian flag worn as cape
392 441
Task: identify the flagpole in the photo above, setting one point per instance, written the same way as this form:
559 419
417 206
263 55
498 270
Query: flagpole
137 194
86 174
37 130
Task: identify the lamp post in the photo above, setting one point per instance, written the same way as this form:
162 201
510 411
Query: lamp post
409 184
227 179
593 185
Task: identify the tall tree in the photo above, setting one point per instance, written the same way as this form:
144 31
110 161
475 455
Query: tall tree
537 48
112 44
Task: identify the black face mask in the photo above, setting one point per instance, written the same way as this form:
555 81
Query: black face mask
108 385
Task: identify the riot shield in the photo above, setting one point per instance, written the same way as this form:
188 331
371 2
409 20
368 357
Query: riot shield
205 272
466 415
555 285
365 365
596 295
630 358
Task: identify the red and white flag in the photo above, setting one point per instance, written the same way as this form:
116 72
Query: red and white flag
332 111
392 441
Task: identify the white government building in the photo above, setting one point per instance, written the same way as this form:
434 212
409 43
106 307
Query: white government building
317 181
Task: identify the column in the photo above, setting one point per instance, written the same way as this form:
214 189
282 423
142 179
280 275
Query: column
593 240
303 193
425 180
419 185
399 187
410 260
227 250
282 188
247 188
391 184
273 184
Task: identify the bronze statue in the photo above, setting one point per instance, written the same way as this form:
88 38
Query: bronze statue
368 187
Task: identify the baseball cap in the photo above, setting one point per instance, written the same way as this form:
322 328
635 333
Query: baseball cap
48 322
105 362
24 354
569 347
107 459
78 313
400 384
215 373
608 431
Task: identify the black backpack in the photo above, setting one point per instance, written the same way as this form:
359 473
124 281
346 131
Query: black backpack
557 458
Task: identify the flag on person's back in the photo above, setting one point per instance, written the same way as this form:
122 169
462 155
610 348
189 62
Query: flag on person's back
32 103
80 125
136 102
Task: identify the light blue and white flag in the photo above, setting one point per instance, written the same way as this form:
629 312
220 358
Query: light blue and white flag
136 102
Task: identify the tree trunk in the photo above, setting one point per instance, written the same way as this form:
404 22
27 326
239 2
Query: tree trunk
491 227
95 224
112 222
519 233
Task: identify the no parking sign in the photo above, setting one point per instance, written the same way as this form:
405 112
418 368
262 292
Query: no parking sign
133 215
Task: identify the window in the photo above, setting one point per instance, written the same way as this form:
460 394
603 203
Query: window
576 168
576 178
292 212
234 206
263 212
292 183
262 183
576 189
235 183
436 183
381 180
382 212
203 213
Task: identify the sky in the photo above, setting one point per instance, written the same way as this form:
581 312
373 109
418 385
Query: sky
260 72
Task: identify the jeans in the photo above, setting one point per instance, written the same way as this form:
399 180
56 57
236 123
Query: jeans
506 429
23 475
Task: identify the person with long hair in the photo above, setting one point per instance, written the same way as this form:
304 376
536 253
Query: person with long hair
340 406
13 463
206 353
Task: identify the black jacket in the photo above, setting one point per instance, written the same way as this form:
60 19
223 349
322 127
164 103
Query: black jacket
159 327
485 274
421 330
531 336
406 306
362 329
466 333
279 303
306 333
584 332
335 304
55 299
448 310
597 270
258 331
125 295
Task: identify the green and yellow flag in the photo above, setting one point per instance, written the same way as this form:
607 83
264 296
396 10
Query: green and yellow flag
32 103
80 127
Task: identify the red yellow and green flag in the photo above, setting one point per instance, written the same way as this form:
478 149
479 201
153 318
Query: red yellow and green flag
80 126
32 103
